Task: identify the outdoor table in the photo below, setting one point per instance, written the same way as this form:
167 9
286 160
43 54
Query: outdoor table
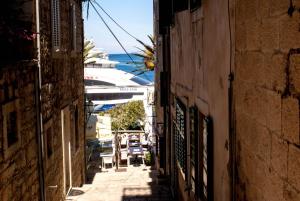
134 152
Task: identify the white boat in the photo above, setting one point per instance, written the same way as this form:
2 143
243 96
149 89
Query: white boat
97 58
108 86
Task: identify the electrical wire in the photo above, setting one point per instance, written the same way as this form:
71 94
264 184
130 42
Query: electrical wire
113 34
115 21
116 38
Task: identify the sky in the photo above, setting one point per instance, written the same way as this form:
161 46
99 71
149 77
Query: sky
136 16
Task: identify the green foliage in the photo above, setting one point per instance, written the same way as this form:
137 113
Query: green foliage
149 158
127 116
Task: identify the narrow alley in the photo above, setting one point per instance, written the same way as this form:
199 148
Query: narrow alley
138 183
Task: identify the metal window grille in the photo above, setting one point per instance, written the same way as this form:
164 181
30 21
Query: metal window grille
55 15
180 138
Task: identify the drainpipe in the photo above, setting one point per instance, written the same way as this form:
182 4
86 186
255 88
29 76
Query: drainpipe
231 113
39 122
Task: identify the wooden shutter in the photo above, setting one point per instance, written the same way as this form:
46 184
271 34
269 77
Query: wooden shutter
55 15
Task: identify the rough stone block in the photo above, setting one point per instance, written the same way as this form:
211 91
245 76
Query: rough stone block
273 189
240 12
279 7
295 74
253 27
251 8
31 151
264 9
254 137
290 193
279 156
269 35
289 35
249 66
273 72
290 119
240 37
294 166
7 193
272 100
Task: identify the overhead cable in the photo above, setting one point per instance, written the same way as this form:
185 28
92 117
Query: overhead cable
113 34
115 21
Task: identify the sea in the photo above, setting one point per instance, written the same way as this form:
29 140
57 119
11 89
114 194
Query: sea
127 65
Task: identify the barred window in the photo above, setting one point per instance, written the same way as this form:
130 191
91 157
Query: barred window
55 16
180 136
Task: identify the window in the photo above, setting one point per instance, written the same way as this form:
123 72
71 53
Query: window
194 147
194 4
73 26
201 154
55 16
206 158
11 128
180 135
49 144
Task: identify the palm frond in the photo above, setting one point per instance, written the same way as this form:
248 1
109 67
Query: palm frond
152 40
142 55
146 46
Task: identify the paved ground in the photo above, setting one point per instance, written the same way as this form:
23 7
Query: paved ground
133 183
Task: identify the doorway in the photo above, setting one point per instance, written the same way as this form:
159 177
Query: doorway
66 147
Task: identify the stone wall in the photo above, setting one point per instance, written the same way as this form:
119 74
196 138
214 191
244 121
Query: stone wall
266 95
200 68
62 87
19 178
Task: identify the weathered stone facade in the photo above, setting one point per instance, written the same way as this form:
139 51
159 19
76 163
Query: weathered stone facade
19 178
237 62
58 105
266 93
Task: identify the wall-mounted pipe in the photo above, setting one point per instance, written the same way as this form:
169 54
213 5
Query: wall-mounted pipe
39 119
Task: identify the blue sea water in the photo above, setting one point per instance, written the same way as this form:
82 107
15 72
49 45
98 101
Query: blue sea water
127 65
